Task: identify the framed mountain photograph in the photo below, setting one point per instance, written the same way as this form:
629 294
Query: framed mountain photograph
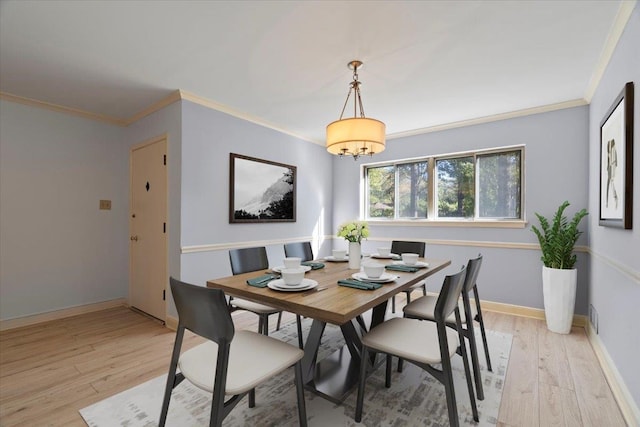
261 190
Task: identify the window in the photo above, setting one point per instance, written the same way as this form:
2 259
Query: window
499 185
456 189
481 185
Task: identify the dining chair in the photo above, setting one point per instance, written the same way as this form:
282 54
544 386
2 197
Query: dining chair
210 367
424 308
253 259
402 246
301 250
423 344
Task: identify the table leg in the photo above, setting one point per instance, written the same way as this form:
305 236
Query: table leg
336 376
311 350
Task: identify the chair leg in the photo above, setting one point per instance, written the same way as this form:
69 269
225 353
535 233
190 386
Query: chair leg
279 321
302 409
265 324
482 332
252 398
387 377
363 377
408 297
299 324
467 374
474 360
484 341
450 393
424 290
393 304
260 323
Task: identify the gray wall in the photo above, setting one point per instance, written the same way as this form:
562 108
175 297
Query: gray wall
556 169
615 265
208 136
57 249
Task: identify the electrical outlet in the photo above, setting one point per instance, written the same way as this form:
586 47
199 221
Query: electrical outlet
105 205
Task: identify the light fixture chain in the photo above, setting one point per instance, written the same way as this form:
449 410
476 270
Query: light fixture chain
345 102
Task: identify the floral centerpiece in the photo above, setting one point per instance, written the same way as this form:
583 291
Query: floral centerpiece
354 232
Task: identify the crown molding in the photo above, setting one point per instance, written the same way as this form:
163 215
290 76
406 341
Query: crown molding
188 96
619 24
492 118
173 97
61 109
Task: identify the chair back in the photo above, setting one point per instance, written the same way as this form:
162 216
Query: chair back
449 294
473 268
299 249
401 246
203 311
248 259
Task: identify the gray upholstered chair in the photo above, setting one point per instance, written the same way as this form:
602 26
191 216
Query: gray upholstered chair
246 260
424 308
399 247
253 259
301 250
225 365
423 344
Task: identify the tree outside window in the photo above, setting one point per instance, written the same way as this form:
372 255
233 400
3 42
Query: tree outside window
481 185
456 187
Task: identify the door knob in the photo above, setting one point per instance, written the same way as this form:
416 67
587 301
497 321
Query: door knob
134 238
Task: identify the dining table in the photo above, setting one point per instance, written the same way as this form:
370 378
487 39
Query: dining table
331 303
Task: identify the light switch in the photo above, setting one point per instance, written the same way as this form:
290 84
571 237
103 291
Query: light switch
105 205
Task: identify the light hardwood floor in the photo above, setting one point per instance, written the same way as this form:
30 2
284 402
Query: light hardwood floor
51 370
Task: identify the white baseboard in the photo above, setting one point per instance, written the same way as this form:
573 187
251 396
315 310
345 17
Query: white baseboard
171 323
628 407
59 314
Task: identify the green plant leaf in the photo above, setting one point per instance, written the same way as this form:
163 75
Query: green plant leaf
557 240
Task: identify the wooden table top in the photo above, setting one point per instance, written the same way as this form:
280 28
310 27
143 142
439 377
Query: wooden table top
329 302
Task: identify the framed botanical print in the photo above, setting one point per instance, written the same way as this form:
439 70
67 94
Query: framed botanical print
616 162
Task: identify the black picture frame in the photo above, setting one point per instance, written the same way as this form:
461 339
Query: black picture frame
616 162
261 190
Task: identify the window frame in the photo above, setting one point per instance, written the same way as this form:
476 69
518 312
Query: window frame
432 199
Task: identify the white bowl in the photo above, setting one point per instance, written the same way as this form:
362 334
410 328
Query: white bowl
292 276
409 259
373 270
383 251
292 262
339 254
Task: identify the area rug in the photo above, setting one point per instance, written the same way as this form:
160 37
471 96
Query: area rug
415 397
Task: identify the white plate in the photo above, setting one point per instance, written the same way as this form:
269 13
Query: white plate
384 278
279 268
330 258
418 264
278 285
390 256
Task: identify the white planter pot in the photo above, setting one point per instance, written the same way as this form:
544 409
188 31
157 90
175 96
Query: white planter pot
355 253
559 292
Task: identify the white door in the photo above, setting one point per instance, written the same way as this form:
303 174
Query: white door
148 225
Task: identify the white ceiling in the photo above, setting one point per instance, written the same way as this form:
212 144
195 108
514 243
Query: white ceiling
426 63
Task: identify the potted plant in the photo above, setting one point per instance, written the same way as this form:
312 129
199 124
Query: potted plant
559 277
